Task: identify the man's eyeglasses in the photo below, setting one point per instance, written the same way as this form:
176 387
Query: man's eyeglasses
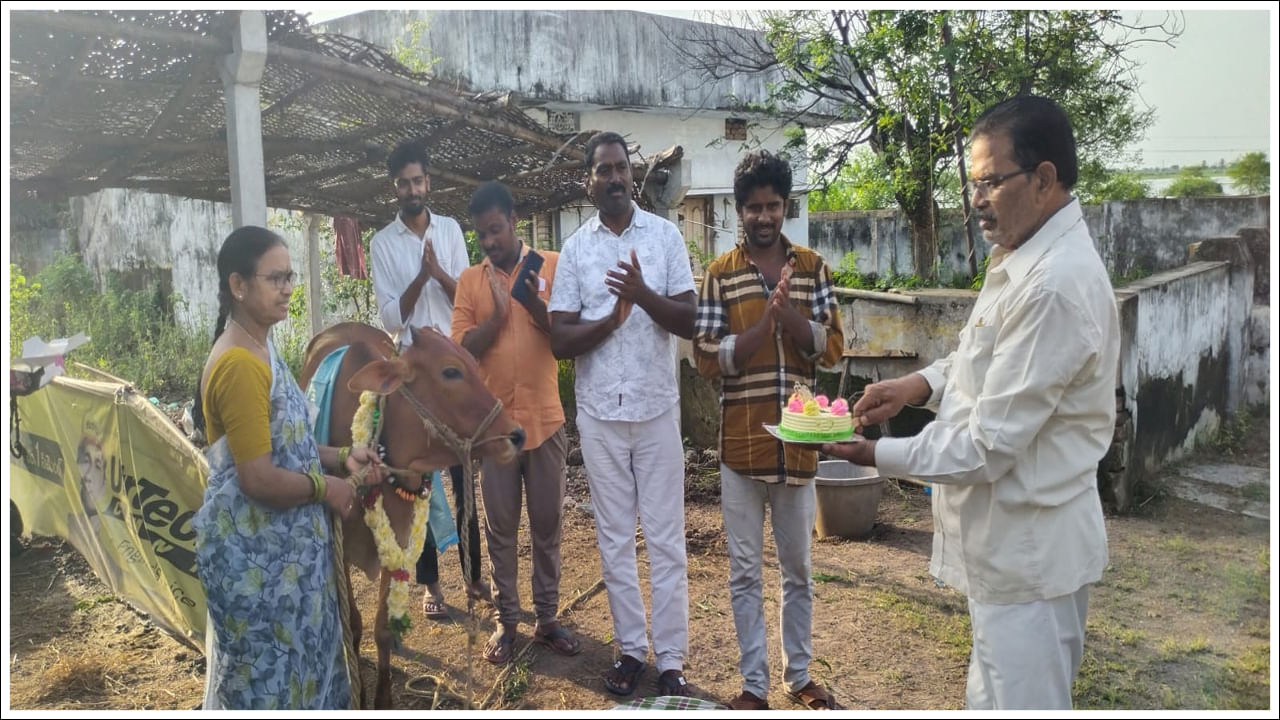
280 279
989 183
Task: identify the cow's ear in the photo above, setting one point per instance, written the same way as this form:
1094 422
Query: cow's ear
380 376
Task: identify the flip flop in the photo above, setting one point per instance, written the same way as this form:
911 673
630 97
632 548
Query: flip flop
815 697
628 671
557 639
434 609
498 649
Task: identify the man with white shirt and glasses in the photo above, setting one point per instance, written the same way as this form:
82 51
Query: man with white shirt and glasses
416 263
623 291
1027 409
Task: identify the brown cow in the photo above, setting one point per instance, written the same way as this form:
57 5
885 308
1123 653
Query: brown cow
445 379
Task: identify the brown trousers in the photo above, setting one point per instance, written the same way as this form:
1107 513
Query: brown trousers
540 474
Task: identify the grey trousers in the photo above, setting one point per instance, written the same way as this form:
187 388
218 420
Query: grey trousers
538 476
792 508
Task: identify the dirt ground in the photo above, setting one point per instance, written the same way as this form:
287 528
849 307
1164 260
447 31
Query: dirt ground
1180 620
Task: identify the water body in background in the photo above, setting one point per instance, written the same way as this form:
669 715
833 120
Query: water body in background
1157 186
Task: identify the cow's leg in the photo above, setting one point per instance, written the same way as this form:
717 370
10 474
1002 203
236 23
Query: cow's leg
357 632
382 636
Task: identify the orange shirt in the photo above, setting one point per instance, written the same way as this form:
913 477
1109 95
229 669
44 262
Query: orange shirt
518 368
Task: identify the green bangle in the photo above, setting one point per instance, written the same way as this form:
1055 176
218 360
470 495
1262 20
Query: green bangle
317 485
343 453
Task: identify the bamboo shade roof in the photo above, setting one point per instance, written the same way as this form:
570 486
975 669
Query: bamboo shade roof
134 99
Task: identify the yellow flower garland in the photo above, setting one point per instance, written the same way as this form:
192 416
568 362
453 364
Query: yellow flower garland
395 559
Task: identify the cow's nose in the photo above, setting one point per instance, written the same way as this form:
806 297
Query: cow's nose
517 438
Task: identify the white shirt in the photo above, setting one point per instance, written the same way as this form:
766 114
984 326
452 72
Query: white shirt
1027 411
397 257
631 376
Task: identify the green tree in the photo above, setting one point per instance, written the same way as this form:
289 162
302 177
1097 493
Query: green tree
1099 185
1251 173
862 184
908 85
1191 182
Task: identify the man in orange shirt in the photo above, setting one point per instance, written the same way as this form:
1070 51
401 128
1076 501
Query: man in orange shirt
511 340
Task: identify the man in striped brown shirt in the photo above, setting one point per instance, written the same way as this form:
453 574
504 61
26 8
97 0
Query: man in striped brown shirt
766 316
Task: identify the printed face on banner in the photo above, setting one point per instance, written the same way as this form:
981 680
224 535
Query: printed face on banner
92 461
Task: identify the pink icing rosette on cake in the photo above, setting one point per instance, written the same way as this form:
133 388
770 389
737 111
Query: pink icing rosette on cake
795 406
840 407
822 401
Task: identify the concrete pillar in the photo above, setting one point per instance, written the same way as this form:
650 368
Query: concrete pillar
315 305
241 73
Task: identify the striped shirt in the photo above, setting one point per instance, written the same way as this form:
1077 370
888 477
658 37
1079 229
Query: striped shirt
733 298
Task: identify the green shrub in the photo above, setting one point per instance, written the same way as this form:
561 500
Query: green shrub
22 295
132 332
1191 182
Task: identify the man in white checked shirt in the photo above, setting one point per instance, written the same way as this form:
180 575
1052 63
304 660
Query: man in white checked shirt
623 290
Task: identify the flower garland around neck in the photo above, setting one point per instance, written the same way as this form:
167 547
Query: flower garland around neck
395 559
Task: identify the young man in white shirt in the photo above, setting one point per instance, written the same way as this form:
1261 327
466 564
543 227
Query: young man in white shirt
623 290
1027 409
417 259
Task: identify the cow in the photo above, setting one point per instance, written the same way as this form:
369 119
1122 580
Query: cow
444 381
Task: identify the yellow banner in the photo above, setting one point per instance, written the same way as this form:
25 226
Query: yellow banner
107 471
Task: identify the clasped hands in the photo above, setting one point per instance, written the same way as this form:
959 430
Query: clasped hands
627 284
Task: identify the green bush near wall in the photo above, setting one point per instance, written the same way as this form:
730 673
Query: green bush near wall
132 332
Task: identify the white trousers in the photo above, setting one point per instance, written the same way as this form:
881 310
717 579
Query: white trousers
1025 656
638 467
791 510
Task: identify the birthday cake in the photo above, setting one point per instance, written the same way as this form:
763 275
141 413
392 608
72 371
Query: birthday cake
806 418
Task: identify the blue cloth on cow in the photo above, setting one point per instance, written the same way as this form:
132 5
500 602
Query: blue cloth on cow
320 394
440 519
268 577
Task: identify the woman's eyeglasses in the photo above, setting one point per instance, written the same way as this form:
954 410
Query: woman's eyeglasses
280 279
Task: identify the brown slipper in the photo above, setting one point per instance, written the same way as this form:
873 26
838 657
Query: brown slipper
815 697
748 701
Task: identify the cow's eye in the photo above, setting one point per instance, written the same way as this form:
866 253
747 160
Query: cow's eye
452 374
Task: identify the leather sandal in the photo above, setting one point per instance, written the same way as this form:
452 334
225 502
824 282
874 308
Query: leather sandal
621 679
815 697
748 701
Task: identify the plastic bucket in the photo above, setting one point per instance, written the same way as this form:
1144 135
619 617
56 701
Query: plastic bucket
848 499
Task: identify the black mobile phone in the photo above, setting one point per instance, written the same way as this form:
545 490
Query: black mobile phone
530 267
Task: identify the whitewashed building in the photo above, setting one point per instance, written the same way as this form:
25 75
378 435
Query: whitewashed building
619 70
